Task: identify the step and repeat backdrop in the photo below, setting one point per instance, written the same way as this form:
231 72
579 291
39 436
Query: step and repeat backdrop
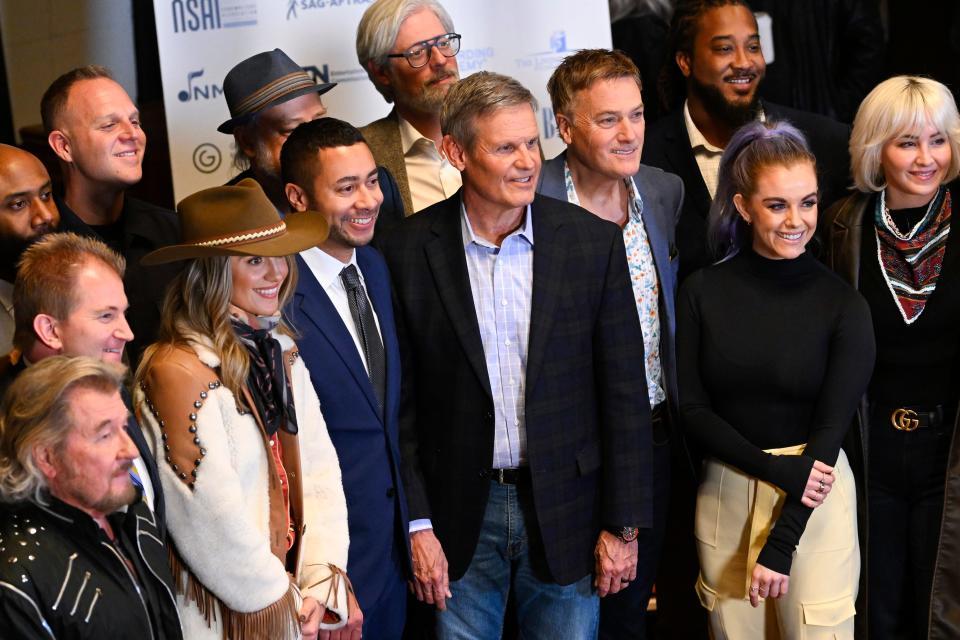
200 40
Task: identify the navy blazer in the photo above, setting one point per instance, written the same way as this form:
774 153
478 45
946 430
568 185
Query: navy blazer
662 195
587 416
367 445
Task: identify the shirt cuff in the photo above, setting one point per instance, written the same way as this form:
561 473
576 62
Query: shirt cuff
420 525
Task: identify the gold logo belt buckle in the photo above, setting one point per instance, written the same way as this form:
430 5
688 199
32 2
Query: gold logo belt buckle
904 419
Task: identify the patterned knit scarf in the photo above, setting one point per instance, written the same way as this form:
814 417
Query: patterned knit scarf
267 380
911 262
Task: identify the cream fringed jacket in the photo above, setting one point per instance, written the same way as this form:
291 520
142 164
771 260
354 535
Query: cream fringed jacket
216 475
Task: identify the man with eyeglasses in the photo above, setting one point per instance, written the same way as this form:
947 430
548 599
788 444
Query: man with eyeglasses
409 48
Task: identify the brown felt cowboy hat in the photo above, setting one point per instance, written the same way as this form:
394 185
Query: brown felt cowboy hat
238 220
263 81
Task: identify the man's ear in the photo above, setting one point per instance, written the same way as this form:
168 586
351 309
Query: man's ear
564 128
454 152
247 146
43 457
682 59
47 330
378 73
60 144
296 196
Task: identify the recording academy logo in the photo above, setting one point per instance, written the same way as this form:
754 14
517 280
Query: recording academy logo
198 90
547 60
207 157
210 15
470 60
294 7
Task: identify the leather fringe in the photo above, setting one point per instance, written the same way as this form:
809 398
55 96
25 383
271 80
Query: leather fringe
274 622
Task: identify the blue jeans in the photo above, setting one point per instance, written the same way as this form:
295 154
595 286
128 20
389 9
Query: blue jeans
507 556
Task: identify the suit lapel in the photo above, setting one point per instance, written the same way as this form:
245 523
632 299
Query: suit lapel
680 154
313 303
447 261
654 222
547 280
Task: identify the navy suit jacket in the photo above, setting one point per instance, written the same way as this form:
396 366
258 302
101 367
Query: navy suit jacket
367 445
662 195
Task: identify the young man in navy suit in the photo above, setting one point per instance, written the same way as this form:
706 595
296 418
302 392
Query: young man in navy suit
342 309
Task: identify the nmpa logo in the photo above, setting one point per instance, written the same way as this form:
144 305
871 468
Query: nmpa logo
209 15
546 60
197 89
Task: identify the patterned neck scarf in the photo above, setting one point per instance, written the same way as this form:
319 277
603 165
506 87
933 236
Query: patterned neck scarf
911 262
267 381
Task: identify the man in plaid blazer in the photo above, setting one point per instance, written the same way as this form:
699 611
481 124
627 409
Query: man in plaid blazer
525 424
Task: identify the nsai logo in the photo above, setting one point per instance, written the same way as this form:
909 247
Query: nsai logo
209 15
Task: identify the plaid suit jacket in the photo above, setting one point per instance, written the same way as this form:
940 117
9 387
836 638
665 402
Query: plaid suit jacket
587 415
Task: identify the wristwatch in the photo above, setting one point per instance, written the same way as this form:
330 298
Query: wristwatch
626 534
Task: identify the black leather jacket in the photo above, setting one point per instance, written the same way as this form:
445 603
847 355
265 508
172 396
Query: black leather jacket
843 234
61 577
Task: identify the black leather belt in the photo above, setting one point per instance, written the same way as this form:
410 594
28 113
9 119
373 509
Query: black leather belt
508 476
911 418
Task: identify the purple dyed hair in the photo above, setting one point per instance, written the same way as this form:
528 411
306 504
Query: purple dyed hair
754 146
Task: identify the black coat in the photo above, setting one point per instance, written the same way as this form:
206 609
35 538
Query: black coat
667 146
587 415
62 578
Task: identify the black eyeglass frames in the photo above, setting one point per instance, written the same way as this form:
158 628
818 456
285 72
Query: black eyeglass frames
419 54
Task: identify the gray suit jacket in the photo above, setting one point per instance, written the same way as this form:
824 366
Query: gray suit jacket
662 195
383 138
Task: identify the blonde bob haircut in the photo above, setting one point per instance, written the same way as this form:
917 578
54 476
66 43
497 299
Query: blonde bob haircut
36 413
897 106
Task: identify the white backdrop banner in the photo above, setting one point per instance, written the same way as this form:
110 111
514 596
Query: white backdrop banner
200 40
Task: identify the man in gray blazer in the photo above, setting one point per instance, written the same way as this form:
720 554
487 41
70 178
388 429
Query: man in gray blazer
599 110
408 49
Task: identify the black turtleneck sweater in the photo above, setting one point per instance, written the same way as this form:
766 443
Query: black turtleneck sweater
771 354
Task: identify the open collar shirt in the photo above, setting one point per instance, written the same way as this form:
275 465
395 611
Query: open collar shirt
430 175
643 279
501 280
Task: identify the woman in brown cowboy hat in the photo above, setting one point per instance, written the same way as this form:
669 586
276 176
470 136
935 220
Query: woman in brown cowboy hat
256 513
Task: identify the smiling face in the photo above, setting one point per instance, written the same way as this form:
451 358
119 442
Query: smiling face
726 65
346 191
96 325
604 132
914 165
420 90
104 141
91 468
256 284
501 166
782 210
